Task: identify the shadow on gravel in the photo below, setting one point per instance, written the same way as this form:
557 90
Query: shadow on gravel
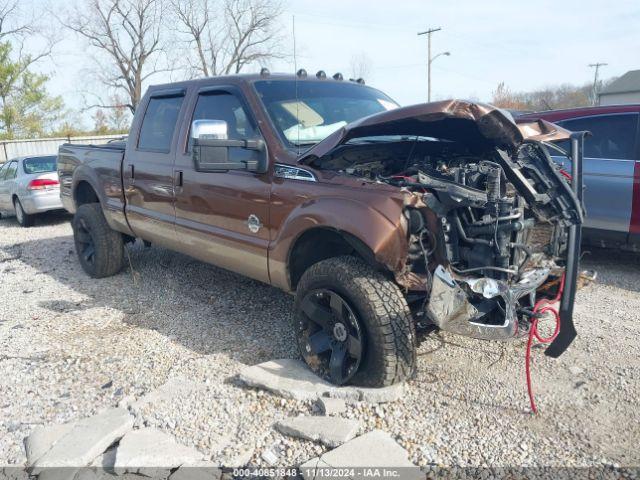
42 220
615 268
206 309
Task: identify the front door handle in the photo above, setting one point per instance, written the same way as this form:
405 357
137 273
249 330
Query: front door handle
179 178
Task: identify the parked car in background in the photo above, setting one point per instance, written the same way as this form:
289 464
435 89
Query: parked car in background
28 186
611 170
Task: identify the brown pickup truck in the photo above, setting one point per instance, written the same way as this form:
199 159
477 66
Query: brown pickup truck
380 219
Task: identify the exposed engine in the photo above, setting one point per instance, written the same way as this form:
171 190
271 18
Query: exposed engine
486 229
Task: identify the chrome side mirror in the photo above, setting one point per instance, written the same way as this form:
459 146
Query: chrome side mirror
209 130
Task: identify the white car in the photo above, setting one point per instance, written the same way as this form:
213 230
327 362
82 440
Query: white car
29 185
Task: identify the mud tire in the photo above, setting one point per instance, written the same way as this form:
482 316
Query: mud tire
389 347
100 249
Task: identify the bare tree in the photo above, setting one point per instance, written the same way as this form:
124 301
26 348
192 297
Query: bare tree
547 98
9 26
130 36
360 66
224 36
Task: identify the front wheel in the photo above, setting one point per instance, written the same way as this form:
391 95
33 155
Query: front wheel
24 219
100 249
354 325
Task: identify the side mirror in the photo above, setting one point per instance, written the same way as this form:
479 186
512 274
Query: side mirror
211 149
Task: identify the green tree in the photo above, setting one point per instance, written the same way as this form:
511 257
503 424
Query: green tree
26 108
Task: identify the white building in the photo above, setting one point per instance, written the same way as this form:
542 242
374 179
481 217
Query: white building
624 90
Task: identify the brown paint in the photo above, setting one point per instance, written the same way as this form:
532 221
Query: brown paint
206 217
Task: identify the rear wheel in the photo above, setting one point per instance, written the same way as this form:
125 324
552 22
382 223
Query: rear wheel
353 324
24 219
100 249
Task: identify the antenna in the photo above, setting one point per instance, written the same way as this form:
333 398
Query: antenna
295 72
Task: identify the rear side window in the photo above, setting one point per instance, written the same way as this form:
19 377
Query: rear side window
614 136
159 123
12 169
39 165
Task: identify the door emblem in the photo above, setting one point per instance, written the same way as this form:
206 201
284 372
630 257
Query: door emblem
253 222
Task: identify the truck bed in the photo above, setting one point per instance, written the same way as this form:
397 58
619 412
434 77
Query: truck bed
100 167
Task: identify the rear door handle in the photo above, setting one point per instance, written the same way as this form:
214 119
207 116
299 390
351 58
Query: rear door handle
179 178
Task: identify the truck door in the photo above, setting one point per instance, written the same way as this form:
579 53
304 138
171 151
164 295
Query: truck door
609 163
148 169
223 217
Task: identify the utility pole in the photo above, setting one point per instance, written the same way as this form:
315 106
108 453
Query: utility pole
595 79
428 34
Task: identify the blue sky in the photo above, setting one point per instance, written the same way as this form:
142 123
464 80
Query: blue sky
525 44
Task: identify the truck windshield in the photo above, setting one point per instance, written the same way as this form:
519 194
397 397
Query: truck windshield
39 165
310 111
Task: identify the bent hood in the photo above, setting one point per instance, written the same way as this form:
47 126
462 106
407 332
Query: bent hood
479 126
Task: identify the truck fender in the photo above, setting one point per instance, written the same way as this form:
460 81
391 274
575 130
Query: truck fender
377 238
112 208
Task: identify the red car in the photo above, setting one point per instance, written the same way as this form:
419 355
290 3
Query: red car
611 170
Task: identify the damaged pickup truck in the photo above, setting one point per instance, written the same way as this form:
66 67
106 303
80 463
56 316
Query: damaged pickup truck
378 218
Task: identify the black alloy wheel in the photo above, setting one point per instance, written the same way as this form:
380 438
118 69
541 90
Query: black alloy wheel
332 339
85 244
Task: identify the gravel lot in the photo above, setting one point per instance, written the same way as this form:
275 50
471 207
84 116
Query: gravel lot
71 346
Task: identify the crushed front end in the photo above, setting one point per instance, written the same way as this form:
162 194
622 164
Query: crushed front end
504 223
492 221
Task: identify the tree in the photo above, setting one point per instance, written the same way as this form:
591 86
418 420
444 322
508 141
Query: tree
244 33
113 120
130 37
360 66
548 98
100 125
26 109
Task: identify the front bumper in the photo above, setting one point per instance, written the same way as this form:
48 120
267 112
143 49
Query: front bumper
39 201
449 306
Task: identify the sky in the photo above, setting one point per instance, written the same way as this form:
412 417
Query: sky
527 45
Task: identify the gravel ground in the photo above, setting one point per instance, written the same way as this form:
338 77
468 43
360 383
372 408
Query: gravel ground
71 346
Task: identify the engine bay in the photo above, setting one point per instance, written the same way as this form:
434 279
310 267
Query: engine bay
487 228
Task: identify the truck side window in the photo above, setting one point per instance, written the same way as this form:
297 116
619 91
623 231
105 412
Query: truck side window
613 135
225 106
158 123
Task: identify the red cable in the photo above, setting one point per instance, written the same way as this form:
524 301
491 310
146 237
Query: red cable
541 307
566 174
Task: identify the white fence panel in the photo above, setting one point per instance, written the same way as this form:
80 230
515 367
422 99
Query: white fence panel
47 146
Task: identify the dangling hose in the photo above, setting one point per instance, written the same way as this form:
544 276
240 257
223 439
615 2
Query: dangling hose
541 307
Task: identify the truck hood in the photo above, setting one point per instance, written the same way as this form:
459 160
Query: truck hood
479 126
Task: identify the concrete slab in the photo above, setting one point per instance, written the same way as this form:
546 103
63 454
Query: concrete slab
330 431
291 378
42 438
331 406
86 440
366 456
152 452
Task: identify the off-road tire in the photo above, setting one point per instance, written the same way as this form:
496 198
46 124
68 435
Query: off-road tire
24 219
389 354
108 244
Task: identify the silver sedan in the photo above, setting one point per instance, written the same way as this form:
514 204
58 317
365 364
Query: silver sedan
28 186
